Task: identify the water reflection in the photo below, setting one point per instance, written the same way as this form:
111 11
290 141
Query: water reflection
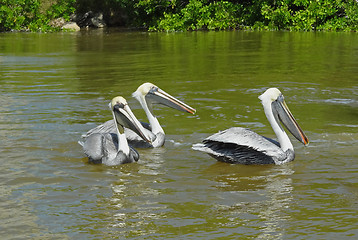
279 190
264 192
135 199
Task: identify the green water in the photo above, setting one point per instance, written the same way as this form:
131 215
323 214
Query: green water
55 87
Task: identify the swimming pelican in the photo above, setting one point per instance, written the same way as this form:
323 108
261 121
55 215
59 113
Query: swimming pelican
147 94
243 146
113 149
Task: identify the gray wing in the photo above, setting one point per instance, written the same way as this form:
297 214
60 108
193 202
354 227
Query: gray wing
136 141
241 145
93 147
101 148
109 127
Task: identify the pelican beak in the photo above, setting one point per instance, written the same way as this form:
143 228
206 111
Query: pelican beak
125 117
156 95
282 113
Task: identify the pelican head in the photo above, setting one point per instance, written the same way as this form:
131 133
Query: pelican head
274 104
152 94
124 117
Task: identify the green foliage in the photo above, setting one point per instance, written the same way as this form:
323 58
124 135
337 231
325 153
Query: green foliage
294 15
62 8
182 15
310 15
26 15
278 17
19 14
217 15
148 12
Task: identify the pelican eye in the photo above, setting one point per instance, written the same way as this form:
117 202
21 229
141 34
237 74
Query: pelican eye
280 98
153 89
118 105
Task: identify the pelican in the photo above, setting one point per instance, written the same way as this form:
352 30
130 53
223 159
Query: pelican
113 149
243 146
147 94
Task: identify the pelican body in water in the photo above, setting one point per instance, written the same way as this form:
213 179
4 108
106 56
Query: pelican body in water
243 146
112 148
147 94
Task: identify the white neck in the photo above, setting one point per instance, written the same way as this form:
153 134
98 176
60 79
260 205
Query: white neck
122 140
153 121
281 135
123 144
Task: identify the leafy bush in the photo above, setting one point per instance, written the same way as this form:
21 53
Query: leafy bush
297 15
20 14
26 15
309 15
200 15
182 15
62 8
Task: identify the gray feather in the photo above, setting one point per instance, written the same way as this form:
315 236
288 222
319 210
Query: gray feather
101 148
243 146
133 138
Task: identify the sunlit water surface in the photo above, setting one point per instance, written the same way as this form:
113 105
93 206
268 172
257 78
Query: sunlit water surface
55 87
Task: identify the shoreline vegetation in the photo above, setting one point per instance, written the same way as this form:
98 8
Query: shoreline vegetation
179 15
